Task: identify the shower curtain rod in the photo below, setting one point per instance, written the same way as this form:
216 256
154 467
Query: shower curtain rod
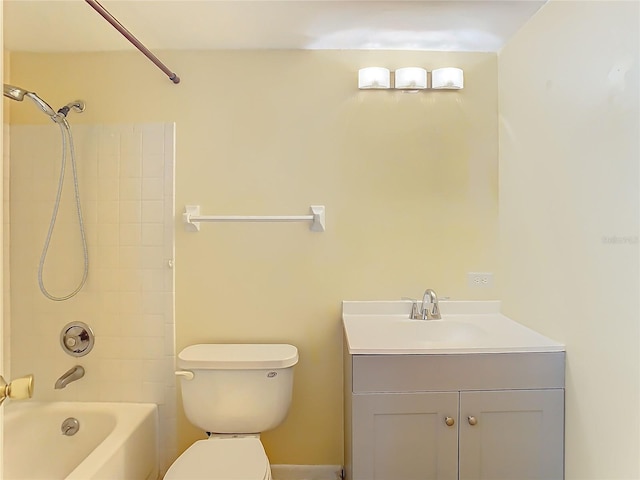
129 36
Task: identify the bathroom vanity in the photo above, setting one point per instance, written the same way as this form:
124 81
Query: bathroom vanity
474 395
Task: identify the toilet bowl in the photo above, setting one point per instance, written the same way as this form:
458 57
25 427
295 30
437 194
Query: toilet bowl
233 392
240 458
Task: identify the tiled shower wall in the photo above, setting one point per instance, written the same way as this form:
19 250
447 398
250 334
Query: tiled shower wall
126 180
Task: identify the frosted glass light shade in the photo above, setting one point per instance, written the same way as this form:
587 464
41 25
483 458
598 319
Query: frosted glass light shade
447 78
373 77
411 78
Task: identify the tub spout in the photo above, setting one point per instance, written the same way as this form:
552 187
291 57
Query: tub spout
71 375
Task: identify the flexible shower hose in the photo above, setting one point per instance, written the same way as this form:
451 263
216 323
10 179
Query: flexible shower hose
64 131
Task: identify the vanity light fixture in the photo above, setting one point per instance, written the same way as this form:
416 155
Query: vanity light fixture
410 78
449 78
373 78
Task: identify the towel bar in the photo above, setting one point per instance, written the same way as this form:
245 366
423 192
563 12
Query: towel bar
192 218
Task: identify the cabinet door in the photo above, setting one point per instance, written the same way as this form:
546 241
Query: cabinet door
512 435
405 436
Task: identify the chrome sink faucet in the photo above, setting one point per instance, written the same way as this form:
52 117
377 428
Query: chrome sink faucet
430 309
71 375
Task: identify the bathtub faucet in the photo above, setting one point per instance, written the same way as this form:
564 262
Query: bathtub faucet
71 375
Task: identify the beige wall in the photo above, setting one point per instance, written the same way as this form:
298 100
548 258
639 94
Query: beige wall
569 212
409 183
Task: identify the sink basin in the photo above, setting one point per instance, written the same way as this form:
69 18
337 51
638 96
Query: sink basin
439 330
379 328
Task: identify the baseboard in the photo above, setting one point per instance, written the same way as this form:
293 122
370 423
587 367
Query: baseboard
306 472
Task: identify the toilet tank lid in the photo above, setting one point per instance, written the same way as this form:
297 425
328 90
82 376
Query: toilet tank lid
226 356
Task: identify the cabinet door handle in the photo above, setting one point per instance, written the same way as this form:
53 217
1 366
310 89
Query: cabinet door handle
449 421
472 420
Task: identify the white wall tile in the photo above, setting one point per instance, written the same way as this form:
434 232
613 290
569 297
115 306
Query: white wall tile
128 298
153 140
108 189
152 347
108 143
152 188
152 257
154 392
153 303
130 302
130 211
108 235
130 257
153 324
108 165
90 212
130 189
130 234
130 149
131 279
108 279
152 211
153 280
153 166
108 211
152 234
107 256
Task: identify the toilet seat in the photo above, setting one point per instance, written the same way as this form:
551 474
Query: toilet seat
228 458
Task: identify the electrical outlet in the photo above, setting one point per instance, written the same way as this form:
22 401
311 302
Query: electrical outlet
480 279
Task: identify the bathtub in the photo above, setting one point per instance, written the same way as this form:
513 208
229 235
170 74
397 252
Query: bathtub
115 441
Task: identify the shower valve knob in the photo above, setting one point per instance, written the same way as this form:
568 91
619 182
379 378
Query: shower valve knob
77 339
19 389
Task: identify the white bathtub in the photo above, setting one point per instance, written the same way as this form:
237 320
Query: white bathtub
116 441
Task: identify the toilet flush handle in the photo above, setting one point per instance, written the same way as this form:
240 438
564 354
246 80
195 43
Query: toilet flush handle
186 374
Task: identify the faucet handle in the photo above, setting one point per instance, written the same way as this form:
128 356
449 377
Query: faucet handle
19 389
415 313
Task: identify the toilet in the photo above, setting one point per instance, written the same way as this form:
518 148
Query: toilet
233 392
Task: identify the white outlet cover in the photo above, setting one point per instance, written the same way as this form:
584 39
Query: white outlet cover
480 279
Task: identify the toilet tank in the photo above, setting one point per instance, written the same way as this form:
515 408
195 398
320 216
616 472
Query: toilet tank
236 388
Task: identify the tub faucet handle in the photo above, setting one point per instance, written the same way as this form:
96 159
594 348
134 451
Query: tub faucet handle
19 389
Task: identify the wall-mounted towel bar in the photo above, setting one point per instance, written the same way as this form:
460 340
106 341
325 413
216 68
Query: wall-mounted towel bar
192 218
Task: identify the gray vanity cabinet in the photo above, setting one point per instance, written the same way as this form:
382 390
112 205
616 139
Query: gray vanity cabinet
512 434
403 436
454 417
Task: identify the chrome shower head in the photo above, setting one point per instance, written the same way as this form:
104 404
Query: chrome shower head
17 93
44 106
14 93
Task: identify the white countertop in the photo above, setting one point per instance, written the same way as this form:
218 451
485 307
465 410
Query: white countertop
384 327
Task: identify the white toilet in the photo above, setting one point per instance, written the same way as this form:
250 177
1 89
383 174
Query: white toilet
233 392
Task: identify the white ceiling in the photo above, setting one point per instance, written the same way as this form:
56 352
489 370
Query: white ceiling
448 25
